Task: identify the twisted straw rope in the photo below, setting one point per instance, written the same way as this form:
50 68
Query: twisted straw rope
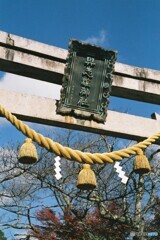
76 155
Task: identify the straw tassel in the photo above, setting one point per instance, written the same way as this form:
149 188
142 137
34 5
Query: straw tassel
141 163
86 178
27 153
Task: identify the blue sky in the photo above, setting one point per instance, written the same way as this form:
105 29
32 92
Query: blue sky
129 26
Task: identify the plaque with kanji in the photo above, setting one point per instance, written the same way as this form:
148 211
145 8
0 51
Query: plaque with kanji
87 81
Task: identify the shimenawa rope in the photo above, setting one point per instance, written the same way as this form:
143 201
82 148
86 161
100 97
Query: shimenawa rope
76 155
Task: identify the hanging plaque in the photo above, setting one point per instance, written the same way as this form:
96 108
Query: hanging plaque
87 80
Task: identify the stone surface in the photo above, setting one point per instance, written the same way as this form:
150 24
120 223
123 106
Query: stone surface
43 110
41 61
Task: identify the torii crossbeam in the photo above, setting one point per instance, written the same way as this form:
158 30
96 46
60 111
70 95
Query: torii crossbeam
41 61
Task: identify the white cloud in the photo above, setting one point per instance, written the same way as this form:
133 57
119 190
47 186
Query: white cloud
99 40
31 86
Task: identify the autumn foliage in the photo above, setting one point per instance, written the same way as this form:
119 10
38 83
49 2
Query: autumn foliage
67 226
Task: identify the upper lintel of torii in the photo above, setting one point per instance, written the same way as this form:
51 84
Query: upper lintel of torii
44 62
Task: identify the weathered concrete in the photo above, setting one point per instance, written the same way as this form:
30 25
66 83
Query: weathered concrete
28 65
52 52
137 72
141 90
43 110
41 61
27 45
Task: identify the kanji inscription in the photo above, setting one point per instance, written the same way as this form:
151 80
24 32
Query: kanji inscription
87 80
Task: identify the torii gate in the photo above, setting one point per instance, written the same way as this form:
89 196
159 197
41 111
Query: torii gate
43 62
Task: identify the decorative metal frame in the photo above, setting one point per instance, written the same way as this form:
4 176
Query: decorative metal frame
87 80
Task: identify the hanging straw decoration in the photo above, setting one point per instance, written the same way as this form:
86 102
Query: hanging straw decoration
141 163
27 153
86 178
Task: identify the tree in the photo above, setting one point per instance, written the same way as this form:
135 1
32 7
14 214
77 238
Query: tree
27 189
2 237
70 226
154 223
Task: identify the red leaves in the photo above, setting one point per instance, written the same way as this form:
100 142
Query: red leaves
68 216
70 226
46 216
93 218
